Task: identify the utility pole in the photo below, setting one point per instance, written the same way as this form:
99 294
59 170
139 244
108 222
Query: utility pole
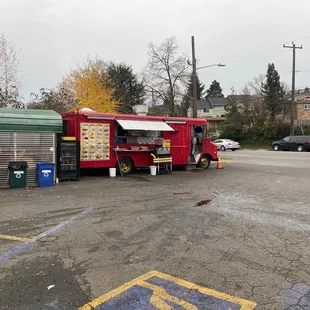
194 78
293 85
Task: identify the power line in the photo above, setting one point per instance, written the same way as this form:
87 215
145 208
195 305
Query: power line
299 39
252 55
264 51
223 79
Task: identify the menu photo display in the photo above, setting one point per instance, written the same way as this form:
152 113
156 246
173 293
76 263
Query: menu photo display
95 141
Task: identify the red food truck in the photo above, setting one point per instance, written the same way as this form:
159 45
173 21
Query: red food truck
127 142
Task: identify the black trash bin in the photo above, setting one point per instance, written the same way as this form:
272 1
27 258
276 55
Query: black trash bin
18 174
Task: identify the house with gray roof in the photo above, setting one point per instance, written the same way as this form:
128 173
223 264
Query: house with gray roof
239 98
212 109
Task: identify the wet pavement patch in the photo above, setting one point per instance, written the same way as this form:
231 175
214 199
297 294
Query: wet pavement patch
156 290
206 201
203 202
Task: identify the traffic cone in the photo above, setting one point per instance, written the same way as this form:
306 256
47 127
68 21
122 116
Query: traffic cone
219 164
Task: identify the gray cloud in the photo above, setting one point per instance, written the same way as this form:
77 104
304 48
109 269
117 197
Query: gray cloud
54 35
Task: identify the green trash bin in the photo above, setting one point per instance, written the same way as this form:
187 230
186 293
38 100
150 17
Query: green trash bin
18 174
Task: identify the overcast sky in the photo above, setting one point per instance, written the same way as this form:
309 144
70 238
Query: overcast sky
54 35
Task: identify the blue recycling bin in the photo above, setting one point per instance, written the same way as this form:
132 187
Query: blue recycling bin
45 174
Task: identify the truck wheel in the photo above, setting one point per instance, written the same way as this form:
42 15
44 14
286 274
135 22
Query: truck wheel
204 161
300 148
276 147
125 166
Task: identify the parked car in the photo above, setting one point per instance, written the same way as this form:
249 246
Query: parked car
292 143
226 144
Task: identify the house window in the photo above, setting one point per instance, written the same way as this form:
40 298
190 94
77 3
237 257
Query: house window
307 106
205 110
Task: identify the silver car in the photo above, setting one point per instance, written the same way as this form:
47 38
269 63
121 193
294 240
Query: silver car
226 144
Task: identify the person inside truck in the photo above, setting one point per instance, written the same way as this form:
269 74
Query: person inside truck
196 139
198 134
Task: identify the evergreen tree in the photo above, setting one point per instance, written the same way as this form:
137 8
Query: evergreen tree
215 90
128 90
200 88
186 102
233 124
273 92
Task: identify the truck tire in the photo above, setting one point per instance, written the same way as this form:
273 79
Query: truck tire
204 161
300 148
125 166
276 147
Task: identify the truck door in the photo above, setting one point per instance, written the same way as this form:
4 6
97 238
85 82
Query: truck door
180 142
197 136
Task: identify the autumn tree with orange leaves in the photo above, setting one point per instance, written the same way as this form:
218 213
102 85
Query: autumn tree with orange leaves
88 86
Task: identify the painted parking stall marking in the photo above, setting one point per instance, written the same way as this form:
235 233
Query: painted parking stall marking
28 243
14 238
156 290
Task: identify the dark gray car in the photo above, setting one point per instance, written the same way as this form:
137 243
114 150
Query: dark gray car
292 143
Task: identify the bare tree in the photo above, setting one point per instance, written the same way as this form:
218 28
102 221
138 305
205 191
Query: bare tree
254 101
254 89
255 86
166 74
9 75
59 100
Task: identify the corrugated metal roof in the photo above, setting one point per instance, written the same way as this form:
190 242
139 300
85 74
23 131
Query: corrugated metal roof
144 125
17 120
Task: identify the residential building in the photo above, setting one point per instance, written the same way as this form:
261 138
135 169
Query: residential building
240 98
303 112
212 109
303 106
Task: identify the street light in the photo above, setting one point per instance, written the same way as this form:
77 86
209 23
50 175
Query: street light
215 65
209 66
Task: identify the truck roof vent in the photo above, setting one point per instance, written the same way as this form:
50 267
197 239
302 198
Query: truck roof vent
141 109
87 110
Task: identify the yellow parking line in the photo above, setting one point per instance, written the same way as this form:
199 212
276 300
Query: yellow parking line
160 294
13 238
245 304
100 300
225 161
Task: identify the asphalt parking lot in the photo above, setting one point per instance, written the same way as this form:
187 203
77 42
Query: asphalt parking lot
219 239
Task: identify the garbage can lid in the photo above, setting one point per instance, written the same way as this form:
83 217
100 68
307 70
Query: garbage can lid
18 165
42 164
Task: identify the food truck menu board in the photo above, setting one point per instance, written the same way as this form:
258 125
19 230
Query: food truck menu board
95 141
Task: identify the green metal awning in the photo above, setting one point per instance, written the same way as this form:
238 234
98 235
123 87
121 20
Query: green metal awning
17 120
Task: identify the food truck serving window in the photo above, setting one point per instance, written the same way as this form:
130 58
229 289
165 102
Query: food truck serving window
144 125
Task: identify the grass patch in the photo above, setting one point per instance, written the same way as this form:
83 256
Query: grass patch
258 145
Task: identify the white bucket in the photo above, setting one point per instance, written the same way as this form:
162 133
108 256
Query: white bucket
153 170
112 172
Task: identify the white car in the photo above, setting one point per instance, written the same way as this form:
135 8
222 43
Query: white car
226 144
